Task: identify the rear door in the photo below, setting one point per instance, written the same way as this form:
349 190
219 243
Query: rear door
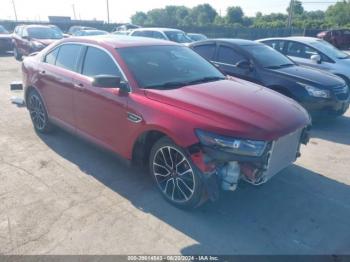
100 112
57 72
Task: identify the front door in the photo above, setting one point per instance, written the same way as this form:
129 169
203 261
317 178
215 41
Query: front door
227 59
100 112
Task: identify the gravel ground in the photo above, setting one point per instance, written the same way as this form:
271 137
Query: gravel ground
61 195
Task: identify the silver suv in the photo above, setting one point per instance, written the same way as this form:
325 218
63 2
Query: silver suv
313 52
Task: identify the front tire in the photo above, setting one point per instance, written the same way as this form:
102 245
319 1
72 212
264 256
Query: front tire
177 178
17 54
38 112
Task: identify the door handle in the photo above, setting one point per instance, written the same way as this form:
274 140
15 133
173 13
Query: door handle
43 72
79 86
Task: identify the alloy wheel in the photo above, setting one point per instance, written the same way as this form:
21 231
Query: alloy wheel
37 113
173 174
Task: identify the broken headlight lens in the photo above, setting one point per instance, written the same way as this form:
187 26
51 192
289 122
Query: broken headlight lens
232 145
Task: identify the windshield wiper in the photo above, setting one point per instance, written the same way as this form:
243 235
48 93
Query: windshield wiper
206 79
286 65
167 85
176 84
278 66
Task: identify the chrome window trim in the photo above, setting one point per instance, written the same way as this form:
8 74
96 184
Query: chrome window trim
219 63
88 45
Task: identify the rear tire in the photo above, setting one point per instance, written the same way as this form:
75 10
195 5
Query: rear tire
38 112
177 178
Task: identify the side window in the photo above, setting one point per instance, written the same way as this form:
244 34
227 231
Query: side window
68 57
98 62
276 44
206 51
52 56
148 34
300 50
24 33
158 35
138 33
229 56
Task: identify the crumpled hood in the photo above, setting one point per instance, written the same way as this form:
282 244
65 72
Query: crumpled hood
310 75
240 108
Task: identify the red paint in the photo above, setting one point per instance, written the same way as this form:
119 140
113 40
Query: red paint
235 108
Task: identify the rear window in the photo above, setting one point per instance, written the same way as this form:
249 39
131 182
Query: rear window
51 57
68 57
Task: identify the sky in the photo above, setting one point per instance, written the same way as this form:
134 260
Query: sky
121 11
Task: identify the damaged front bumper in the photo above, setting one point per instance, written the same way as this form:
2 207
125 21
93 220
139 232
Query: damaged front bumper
222 171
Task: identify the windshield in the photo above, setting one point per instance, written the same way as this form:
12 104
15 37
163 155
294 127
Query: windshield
3 30
329 49
267 56
178 36
92 32
44 33
197 37
166 67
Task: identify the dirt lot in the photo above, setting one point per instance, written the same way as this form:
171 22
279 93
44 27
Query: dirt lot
60 195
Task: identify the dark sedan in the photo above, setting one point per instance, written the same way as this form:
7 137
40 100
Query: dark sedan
5 40
318 91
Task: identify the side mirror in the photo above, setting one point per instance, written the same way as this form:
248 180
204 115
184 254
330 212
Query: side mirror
316 59
244 64
109 81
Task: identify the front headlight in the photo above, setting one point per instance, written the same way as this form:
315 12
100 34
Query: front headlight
232 145
316 92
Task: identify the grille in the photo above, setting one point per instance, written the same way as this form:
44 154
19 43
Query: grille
283 153
341 92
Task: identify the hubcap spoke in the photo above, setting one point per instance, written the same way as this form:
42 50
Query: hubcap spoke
36 111
173 174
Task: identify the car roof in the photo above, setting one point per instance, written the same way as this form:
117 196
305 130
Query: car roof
37 26
162 29
119 41
302 39
233 41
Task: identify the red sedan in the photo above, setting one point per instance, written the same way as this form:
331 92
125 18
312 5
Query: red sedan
159 103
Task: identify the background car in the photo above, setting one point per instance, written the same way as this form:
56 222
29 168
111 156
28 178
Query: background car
337 37
197 37
5 40
28 39
169 34
166 107
319 92
313 52
90 32
125 29
76 28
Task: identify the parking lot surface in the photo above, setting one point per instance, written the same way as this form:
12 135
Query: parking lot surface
61 195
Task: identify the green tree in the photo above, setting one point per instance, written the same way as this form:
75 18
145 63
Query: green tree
203 14
234 15
339 14
140 18
298 8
